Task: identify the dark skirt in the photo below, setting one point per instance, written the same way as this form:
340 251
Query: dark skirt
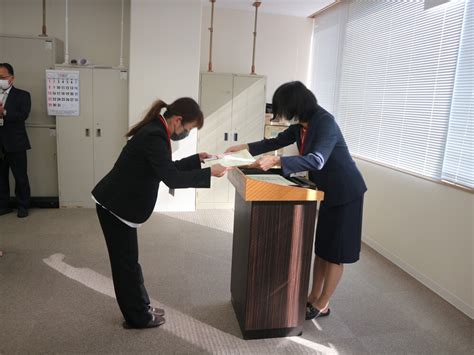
338 233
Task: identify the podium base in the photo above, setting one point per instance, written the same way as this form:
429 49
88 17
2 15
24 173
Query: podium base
272 333
248 334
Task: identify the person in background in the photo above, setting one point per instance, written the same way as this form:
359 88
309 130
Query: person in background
126 197
15 106
324 154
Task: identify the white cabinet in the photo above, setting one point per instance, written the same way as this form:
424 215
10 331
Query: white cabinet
30 57
89 144
234 112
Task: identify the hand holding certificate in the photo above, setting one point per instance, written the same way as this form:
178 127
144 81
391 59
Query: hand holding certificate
231 159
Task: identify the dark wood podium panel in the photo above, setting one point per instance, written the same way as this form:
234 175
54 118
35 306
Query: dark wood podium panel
271 260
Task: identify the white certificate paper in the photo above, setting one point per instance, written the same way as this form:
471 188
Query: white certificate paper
240 158
272 178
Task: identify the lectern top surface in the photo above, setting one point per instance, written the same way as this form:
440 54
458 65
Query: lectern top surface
272 178
255 185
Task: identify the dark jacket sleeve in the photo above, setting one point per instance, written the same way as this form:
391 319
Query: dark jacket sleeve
283 139
188 163
324 137
20 111
165 169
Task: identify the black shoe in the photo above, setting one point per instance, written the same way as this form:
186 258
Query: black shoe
154 322
5 211
158 311
22 212
313 313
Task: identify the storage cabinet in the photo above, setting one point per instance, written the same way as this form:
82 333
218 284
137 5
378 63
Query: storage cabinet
30 57
234 112
89 144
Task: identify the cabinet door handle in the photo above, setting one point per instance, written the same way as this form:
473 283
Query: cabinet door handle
226 136
98 132
88 132
236 137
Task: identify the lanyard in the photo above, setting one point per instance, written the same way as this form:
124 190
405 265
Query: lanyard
167 131
4 97
303 139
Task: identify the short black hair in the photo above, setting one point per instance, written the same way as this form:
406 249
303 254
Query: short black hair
8 67
294 100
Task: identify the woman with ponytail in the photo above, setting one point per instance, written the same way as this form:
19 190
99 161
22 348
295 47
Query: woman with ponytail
126 196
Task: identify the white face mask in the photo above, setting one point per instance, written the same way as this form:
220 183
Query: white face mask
4 84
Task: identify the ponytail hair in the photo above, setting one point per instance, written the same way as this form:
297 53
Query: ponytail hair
184 107
152 114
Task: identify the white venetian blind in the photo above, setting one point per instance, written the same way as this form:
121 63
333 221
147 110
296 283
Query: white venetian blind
458 164
397 79
328 35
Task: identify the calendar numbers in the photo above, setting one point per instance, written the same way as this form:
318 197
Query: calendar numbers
62 92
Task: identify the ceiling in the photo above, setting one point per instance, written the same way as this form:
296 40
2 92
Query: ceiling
300 8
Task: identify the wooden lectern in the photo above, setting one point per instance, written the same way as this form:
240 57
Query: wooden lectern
271 255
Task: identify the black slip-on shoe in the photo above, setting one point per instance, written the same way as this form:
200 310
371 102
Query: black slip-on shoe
154 322
158 311
313 313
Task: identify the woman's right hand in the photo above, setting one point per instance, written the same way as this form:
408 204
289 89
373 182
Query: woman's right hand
237 148
218 170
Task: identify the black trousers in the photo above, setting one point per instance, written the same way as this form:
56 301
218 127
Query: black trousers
127 275
16 161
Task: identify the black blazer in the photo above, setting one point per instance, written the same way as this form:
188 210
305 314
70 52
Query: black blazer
130 189
325 156
13 135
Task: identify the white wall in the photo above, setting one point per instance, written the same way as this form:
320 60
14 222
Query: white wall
94 25
282 50
2 14
164 63
424 227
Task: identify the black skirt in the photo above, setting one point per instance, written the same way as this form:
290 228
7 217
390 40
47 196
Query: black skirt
338 233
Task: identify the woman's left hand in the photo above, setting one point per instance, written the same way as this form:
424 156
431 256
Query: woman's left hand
266 162
203 156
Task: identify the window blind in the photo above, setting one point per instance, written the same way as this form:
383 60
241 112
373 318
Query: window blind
328 36
397 78
458 166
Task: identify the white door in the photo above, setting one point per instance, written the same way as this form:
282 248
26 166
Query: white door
248 115
30 57
215 136
110 112
75 149
234 107
42 161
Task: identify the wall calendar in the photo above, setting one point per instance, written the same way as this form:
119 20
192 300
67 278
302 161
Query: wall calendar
62 92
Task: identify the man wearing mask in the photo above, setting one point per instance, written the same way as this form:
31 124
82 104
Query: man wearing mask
15 105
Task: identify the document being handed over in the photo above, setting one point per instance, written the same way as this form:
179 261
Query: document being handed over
240 158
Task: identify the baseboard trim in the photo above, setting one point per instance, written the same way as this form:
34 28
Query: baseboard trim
432 285
38 202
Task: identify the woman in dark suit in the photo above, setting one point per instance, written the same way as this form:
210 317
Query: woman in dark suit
126 197
324 154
